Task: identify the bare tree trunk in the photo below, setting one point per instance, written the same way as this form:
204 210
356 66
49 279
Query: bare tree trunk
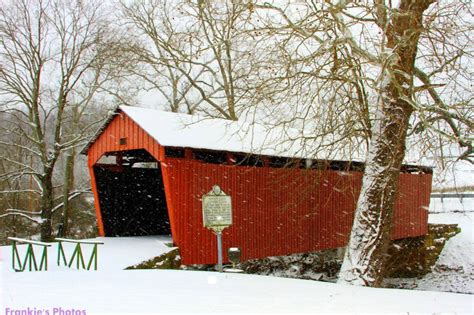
366 252
364 259
46 207
67 185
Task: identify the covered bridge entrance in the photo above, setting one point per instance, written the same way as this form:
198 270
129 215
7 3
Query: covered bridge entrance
149 170
131 195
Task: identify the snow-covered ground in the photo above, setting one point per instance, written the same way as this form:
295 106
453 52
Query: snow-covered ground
169 291
454 270
112 290
450 204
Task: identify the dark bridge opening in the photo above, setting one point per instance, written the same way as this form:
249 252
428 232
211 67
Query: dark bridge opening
131 195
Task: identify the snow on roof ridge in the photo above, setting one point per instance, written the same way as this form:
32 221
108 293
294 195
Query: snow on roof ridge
201 132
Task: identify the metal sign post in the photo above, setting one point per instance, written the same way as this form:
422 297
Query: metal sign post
219 251
217 215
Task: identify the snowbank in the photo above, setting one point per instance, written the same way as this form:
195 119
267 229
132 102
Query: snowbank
163 291
454 270
112 290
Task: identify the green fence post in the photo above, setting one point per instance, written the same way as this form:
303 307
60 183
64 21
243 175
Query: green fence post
28 258
74 253
93 258
34 258
44 259
80 256
13 255
16 257
61 254
77 252
96 256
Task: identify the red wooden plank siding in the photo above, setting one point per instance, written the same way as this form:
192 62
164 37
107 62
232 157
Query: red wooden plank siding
109 141
280 211
100 225
122 127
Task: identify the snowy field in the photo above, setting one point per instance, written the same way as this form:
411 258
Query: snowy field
452 204
169 291
112 290
454 270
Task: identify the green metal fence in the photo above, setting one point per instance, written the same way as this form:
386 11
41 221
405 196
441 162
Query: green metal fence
77 256
30 258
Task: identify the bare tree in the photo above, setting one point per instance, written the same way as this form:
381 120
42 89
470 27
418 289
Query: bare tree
53 61
202 51
151 21
313 83
370 234
402 73
402 27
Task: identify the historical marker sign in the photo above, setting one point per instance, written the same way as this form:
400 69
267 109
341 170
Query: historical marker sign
216 209
217 215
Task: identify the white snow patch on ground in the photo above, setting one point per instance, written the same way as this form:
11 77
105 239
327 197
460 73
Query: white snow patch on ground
112 290
166 291
454 270
459 250
452 204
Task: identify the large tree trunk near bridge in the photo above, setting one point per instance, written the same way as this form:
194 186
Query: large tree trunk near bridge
370 236
46 208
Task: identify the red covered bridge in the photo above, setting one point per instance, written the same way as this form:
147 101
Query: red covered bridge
149 170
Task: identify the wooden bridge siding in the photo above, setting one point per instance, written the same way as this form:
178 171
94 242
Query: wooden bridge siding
109 141
280 211
122 127
411 208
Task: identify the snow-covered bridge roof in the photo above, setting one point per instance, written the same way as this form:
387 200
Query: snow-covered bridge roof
197 132
182 130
